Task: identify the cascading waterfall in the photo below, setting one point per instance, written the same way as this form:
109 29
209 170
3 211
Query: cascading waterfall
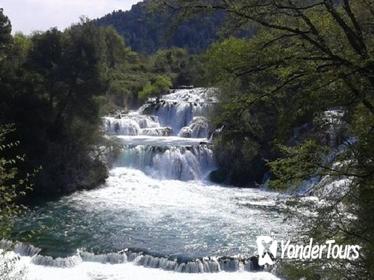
179 163
200 265
157 210
182 113
178 109
132 124
172 114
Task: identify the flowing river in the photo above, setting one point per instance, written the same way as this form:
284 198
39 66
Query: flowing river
157 216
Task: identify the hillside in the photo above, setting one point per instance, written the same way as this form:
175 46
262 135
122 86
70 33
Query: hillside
146 31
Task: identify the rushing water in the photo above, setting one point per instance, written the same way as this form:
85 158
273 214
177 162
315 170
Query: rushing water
157 209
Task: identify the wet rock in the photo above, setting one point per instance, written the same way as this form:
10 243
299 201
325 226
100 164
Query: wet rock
254 264
218 176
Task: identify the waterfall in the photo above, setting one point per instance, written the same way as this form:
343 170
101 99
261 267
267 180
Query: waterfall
157 216
172 119
179 163
131 124
198 128
180 108
200 265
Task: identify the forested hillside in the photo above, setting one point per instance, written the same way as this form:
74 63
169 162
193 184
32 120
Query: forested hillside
147 31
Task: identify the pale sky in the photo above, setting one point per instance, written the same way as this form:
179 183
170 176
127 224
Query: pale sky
39 15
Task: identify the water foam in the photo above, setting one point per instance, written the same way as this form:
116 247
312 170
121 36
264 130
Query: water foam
157 203
178 163
96 271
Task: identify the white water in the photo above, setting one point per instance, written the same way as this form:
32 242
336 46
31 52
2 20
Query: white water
182 113
174 162
95 271
157 202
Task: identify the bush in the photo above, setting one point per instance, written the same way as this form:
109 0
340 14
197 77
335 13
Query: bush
158 86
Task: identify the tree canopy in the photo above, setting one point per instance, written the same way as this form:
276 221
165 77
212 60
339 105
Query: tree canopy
147 30
307 58
51 84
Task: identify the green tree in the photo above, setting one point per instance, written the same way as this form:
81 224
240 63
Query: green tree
182 67
160 85
52 84
5 30
307 57
147 31
13 187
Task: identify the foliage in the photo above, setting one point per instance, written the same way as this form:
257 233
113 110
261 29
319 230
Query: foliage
13 186
51 84
182 67
5 36
306 58
288 171
160 85
66 81
138 77
147 30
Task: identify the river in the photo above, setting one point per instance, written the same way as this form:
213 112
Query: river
157 216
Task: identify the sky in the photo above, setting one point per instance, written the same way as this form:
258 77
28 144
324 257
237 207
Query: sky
39 15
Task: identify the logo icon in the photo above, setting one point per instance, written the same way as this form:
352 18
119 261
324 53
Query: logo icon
267 250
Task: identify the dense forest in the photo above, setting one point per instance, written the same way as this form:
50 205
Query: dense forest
51 86
295 101
146 30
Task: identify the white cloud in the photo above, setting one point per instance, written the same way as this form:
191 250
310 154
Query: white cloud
31 15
